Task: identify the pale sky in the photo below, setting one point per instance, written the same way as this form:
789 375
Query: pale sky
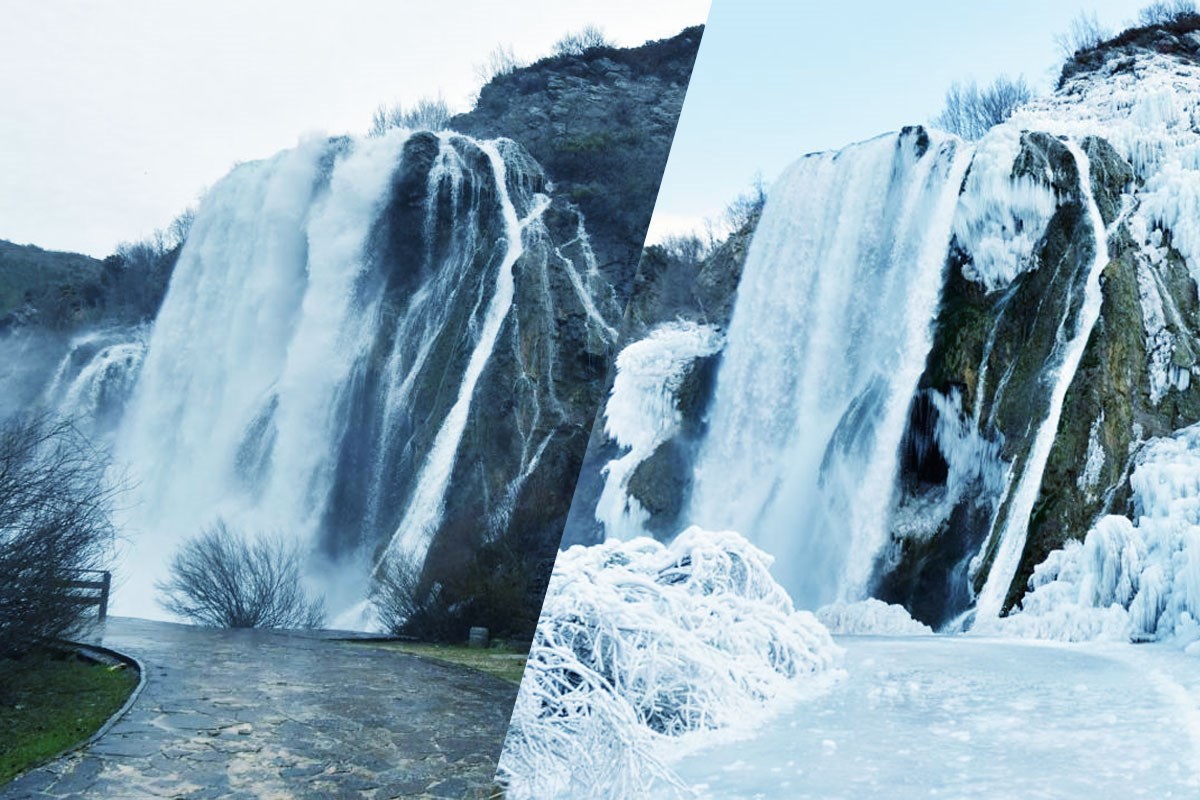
116 114
776 79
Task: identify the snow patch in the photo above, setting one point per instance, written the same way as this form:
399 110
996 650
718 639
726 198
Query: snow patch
645 649
870 616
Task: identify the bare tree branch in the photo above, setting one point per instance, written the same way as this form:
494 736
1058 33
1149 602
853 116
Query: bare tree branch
225 580
55 522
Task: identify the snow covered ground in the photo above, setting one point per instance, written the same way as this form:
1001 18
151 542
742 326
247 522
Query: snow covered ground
969 717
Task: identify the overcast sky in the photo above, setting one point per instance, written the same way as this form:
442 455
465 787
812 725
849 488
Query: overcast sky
115 115
776 79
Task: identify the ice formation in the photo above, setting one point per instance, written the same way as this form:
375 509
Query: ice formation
1148 109
1011 543
973 462
1000 218
1128 579
824 355
641 644
641 412
870 616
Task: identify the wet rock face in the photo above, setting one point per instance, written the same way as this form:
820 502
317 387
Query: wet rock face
533 408
533 402
382 451
601 126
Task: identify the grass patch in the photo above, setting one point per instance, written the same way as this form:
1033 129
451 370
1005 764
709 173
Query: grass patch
507 663
49 702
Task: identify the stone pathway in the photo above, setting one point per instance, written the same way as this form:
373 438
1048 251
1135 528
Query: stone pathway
257 714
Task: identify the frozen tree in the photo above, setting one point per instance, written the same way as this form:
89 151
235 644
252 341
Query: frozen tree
970 111
640 644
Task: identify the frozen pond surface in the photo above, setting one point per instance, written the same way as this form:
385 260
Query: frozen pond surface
953 717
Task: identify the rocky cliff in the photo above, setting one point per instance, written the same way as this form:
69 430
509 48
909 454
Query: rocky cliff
1128 104
387 348
601 125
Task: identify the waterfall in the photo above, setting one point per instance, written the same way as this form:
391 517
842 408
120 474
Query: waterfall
1011 541
312 368
94 379
827 342
424 512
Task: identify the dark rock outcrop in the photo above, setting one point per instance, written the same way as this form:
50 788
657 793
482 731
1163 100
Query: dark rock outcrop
600 124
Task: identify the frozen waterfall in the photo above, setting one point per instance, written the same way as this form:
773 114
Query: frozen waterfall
825 347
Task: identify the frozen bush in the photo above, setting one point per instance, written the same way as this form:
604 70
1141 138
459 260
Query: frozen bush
642 644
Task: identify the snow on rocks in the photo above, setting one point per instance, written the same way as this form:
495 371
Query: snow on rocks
641 412
1147 109
642 646
1000 218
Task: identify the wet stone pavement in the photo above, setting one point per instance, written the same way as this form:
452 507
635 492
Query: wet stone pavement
256 714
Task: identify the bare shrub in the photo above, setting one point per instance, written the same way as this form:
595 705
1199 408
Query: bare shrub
1166 12
1085 33
582 40
181 226
223 579
55 522
397 594
685 248
746 208
136 276
427 114
970 112
498 589
500 61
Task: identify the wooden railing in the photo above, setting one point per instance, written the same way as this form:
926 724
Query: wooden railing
91 591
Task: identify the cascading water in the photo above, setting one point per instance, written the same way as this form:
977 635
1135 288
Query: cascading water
1011 542
312 368
95 378
420 522
826 344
